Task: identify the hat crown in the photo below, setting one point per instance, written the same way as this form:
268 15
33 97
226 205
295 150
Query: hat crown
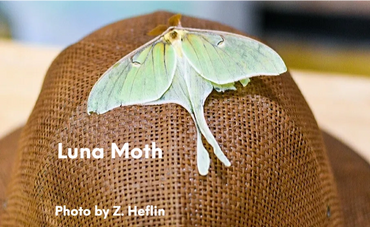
279 176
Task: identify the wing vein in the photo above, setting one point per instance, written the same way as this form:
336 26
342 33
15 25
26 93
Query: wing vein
140 67
115 83
216 75
194 51
164 54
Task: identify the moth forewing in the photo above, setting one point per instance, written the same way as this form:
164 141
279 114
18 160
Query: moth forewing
124 82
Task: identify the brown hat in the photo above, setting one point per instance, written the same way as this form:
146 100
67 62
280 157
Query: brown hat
281 173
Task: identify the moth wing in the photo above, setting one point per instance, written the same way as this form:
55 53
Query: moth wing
224 58
140 77
178 93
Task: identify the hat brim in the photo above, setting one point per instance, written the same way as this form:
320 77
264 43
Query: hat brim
352 176
351 172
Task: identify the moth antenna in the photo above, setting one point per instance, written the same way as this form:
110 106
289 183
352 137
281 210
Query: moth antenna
158 30
175 20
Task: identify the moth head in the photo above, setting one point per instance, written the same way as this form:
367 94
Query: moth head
174 36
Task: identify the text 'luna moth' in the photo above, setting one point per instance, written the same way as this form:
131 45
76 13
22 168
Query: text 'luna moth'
183 65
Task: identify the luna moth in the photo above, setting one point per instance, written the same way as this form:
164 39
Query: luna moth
183 66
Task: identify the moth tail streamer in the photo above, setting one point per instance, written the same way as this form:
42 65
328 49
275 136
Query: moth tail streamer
203 160
201 122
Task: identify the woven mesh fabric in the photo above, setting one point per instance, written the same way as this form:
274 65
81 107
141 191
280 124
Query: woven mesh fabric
8 146
279 175
352 174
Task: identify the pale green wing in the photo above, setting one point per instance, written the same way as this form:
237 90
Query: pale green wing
179 93
199 89
137 78
223 58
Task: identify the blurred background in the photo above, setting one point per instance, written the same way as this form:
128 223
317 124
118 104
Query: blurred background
309 35
326 45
